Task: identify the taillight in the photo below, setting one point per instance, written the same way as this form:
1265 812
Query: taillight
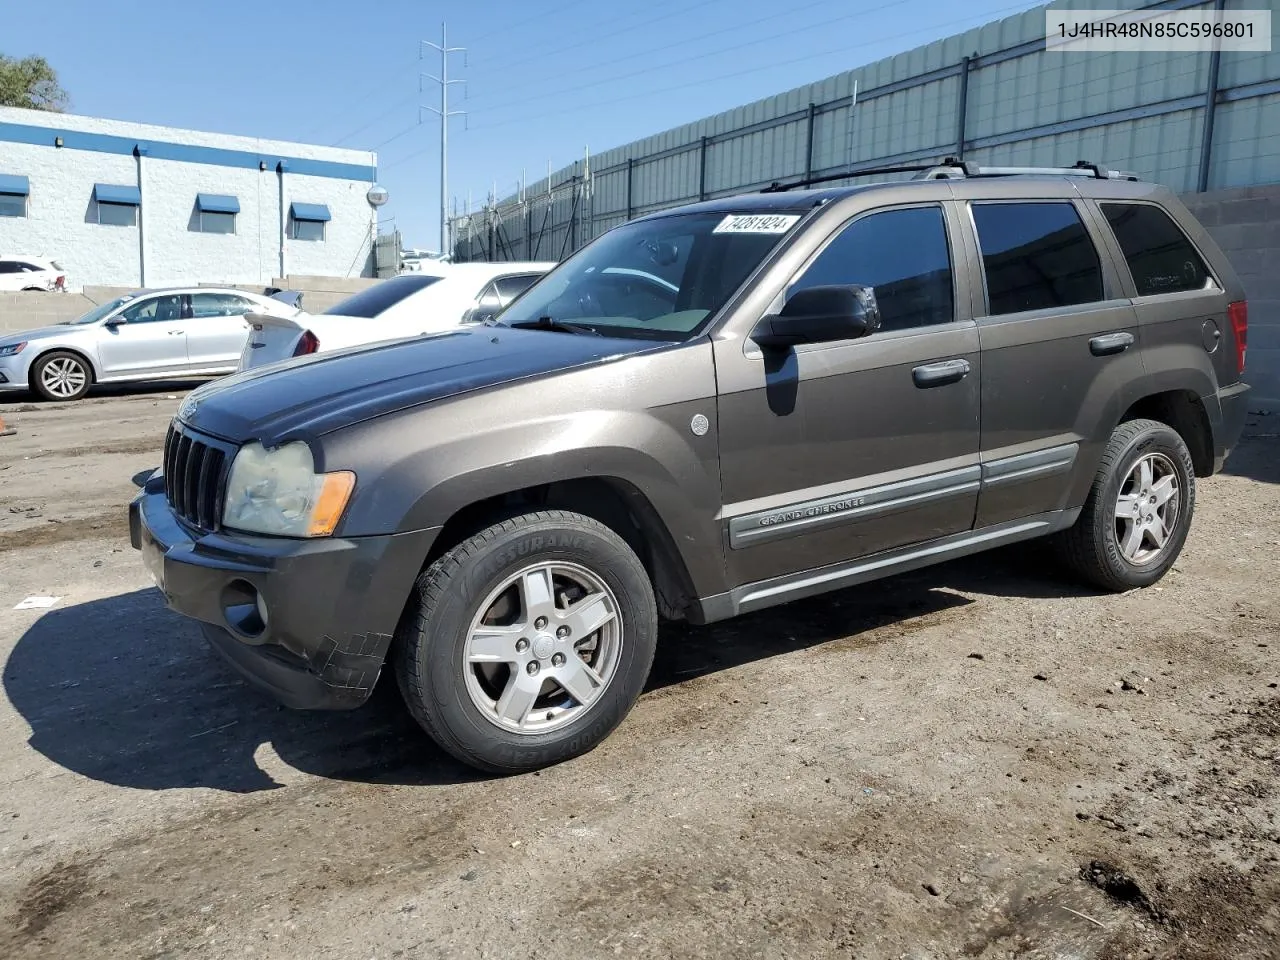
307 343
1238 314
60 283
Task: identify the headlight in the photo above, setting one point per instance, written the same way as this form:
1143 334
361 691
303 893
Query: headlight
11 349
278 492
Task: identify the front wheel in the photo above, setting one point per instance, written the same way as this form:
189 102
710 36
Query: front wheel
1138 513
528 643
61 376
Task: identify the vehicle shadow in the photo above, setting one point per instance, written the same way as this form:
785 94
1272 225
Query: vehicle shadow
1257 456
124 691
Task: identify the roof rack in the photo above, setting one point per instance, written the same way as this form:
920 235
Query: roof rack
953 168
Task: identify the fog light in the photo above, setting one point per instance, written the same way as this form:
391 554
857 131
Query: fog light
244 610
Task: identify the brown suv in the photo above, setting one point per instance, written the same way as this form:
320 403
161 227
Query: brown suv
706 411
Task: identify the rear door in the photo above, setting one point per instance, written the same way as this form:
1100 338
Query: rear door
216 333
1059 346
150 340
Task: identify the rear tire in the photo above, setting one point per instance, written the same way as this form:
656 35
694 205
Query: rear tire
1138 514
61 376
500 621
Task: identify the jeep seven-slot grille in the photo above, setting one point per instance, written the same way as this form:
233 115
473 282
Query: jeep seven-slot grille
193 477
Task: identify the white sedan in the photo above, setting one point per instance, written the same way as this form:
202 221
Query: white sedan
405 306
146 335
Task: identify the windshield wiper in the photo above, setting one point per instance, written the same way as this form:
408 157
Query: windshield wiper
559 326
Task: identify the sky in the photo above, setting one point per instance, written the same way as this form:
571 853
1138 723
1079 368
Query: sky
545 79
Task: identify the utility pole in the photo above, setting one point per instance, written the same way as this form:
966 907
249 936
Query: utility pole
444 113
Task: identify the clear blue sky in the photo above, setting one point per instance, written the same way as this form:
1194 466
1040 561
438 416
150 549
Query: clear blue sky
541 74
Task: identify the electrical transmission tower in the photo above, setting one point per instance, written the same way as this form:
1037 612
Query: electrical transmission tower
444 113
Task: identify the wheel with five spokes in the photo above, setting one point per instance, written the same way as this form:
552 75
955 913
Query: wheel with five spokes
528 643
61 375
1138 513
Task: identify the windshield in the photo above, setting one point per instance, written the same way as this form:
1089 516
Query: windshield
98 312
656 279
377 298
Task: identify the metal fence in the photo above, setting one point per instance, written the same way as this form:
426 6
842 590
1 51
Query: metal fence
1193 121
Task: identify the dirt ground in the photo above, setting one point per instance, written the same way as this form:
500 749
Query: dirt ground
977 760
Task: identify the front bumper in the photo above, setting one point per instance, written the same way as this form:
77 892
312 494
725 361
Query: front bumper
331 604
14 372
1233 407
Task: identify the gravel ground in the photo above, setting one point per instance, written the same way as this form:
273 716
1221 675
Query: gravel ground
977 760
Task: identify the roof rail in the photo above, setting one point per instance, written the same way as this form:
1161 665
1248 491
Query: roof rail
953 168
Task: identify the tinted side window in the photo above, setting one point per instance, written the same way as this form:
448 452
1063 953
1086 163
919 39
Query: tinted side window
381 296
903 255
1160 257
511 287
486 307
8 266
157 309
1036 256
217 305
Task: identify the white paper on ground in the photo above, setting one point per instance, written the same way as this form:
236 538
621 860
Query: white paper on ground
37 603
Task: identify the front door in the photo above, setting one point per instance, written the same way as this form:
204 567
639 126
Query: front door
216 333
835 451
151 339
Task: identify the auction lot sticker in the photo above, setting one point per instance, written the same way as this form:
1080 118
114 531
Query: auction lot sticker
756 223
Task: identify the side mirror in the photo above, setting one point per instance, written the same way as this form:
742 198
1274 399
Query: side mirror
820 315
115 321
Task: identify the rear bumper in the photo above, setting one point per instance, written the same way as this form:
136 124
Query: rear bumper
1233 406
331 605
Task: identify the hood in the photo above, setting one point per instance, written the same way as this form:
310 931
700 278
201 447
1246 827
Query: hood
317 394
39 333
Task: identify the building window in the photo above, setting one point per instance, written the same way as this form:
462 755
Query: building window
213 221
216 213
13 205
13 195
117 205
308 221
308 229
117 214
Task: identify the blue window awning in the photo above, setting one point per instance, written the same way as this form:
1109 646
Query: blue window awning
117 193
310 211
14 186
217 203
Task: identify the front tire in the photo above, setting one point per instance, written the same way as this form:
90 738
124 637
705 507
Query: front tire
61 376
1138 514
527 644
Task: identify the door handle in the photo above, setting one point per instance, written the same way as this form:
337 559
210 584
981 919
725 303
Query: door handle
174 333
940 374
1111 343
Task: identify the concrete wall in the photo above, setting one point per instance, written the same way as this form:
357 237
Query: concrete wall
1245 223
167 246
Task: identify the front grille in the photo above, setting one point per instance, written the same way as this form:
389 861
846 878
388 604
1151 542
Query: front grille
194 476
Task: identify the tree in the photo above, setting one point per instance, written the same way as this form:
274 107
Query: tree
31 83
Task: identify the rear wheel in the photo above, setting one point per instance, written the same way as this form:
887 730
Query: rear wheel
61 376
528 643
1139 510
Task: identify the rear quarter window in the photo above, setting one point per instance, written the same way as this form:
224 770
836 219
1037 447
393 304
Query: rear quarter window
1160 257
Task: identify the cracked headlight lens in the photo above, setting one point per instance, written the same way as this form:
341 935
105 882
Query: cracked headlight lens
278 492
